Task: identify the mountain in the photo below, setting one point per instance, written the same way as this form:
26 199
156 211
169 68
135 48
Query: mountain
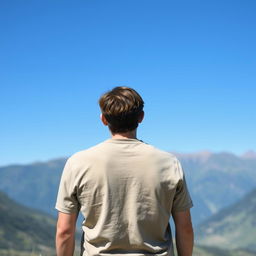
34 185
233 227
209 177
249 154
217 180
24 230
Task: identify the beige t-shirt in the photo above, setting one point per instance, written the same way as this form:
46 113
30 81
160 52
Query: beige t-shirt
126 190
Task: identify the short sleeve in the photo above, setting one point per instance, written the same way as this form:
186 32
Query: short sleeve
182 200
67 201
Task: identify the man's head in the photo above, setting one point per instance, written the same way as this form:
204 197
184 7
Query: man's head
122 109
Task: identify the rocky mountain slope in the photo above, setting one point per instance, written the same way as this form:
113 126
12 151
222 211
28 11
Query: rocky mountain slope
233 227
217 180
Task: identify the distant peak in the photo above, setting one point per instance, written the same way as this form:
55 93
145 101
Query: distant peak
201 155
249 154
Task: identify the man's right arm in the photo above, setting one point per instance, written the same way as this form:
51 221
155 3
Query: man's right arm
65 234
184 232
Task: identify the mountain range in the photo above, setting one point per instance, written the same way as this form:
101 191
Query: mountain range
217 180
210 176
34 185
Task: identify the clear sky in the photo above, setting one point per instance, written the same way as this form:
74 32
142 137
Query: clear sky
193 62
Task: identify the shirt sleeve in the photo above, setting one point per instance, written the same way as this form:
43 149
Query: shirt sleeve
67 201
182 200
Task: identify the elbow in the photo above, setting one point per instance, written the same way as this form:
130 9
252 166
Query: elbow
64 233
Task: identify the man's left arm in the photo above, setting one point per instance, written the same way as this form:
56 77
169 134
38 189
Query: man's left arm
65 234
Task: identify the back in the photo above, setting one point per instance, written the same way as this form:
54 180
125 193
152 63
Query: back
126 191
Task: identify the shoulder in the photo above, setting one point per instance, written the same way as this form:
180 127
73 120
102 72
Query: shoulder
168 159
84 157
159 153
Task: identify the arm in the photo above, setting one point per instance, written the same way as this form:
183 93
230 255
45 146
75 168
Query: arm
65 234
184 232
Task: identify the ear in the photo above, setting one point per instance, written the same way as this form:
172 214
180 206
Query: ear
103 119
141 117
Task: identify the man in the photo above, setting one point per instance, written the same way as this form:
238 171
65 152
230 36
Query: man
126 190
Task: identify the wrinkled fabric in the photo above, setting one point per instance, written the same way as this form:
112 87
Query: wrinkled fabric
126 191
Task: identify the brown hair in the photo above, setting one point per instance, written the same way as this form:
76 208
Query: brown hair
122 108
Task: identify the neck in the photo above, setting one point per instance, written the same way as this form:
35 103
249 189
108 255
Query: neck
125 135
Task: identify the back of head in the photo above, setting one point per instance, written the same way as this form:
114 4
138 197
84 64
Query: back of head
122 107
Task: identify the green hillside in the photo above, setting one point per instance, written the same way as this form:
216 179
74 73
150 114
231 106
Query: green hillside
233 227
24 229
213 251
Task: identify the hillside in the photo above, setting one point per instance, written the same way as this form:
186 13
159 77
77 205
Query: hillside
19 226
213 251
233 227
24 229
209 177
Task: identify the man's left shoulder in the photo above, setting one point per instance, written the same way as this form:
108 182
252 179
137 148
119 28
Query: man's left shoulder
165 154
85 155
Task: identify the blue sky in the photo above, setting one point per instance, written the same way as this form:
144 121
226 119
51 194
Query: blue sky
193 62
